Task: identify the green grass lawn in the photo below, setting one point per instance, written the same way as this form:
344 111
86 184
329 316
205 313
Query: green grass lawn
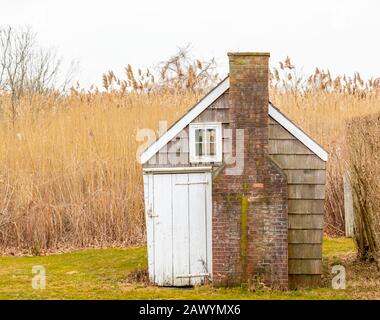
102 274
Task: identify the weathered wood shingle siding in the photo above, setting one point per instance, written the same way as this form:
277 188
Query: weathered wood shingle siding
306 192
217 112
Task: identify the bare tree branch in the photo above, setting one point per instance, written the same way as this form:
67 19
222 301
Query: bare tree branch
27 68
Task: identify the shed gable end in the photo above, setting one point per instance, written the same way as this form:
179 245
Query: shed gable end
214 108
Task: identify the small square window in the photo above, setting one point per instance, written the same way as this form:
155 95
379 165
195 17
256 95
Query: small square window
205 142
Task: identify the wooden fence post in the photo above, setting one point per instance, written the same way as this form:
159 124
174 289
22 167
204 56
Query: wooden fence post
348 206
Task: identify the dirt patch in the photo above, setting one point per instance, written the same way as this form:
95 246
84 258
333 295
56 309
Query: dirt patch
138 277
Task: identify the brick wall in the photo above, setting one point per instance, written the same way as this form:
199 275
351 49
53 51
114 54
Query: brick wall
250 226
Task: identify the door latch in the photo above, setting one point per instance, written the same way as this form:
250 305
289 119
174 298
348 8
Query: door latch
151 215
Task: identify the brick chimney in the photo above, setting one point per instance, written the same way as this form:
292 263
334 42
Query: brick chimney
250 233
249 96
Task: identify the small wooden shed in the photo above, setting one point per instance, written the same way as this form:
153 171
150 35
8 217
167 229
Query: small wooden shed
234 190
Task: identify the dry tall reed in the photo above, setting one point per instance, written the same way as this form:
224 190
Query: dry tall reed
364 162
68 173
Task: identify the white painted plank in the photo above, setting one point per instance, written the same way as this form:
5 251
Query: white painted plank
181 245
163 229
148 199
197 226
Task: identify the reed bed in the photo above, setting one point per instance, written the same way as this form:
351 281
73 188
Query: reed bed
69 176
68 173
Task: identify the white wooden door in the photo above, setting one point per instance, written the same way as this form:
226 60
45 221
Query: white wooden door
178 213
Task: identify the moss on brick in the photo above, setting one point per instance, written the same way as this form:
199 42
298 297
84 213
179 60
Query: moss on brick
244 235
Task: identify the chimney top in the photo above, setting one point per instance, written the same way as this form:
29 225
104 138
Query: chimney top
257 54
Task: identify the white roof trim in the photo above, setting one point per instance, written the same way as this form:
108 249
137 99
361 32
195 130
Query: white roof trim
207 101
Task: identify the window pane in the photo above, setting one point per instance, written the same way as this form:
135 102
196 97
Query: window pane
199 133
211 135
198 149
210 141
212 149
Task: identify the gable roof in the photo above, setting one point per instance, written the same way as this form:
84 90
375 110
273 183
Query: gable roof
202 105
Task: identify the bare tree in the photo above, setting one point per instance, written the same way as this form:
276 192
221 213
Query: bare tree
27 68
183 71
180 72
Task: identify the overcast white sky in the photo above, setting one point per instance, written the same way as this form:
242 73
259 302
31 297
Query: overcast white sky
342 35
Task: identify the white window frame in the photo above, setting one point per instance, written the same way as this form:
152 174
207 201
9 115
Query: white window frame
218 142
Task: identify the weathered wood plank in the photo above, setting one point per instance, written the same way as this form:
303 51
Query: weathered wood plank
305 221
305 251
278 132
299 161
299 266
306 191
304 281
221 103
288 147
303 206
178 145
162 158
306 176
305 236
272 121
213 115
